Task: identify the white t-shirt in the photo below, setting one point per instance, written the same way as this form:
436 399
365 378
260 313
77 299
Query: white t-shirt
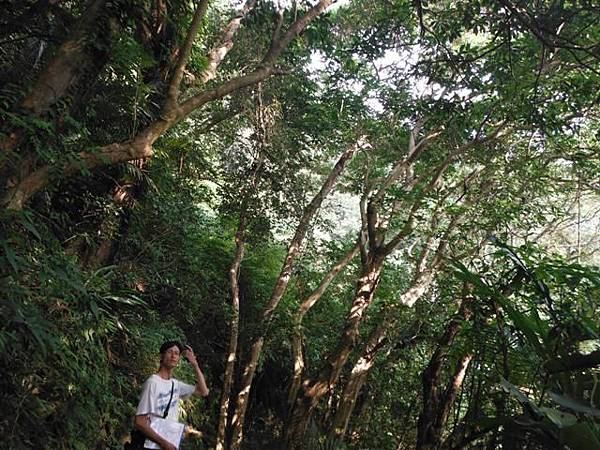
156 394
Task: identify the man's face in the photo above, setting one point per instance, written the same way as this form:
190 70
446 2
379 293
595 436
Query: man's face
170 357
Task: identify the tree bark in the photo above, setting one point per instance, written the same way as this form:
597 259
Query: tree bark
422 280
139 148
365 363
374 250
221 49
436 404
74 58
70 61
357 379
576 361
233 280
465 432
313 390
306 305
278 292
141 145
233 332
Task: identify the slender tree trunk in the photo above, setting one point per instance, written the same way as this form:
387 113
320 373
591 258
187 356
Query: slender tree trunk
465 433
422 280
418 288
374 250
313 389
306 305
278 292
436 404
357 379
450 395
239 415
234 275
234 331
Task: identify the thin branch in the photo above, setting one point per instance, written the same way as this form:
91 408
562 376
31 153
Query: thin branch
414 151
277 28
364 233
309 212
310 301
174 85
278 46
221 49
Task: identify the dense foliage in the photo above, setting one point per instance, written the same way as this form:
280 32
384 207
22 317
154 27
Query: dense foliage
376 222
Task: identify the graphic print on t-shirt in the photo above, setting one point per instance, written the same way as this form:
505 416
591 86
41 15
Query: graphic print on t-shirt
163 399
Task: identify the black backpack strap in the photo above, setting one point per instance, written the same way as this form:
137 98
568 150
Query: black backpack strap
170 398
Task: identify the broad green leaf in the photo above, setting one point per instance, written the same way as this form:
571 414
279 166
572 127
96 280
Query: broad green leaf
525 324
573 404
559 418
11 257
580 437
522 398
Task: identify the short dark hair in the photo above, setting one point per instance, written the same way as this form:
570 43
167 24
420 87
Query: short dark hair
168 344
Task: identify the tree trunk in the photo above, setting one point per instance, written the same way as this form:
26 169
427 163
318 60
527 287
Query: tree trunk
233 336
139 148
173 113
357 379
420 284
278 292
237 420
312 390
465 432
71 60
306 305
75 62
431 427
235 298
436 404
221 49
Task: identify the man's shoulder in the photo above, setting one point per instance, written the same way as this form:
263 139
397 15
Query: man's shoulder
152 380
157 379
176 381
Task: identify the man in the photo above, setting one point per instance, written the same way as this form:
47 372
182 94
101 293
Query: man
161 387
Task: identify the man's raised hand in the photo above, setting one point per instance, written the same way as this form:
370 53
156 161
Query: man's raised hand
188 353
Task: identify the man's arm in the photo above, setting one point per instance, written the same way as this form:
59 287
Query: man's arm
201 388
142 423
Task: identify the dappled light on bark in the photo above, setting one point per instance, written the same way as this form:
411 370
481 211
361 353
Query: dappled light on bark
375 223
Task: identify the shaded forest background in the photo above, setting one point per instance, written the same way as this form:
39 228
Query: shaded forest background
376 222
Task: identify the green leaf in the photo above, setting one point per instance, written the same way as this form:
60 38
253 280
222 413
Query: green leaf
71 281
11 257
94 308
39 336
559 418
466 275
573 404
580 437
130 299
525 324
522 398
32 229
